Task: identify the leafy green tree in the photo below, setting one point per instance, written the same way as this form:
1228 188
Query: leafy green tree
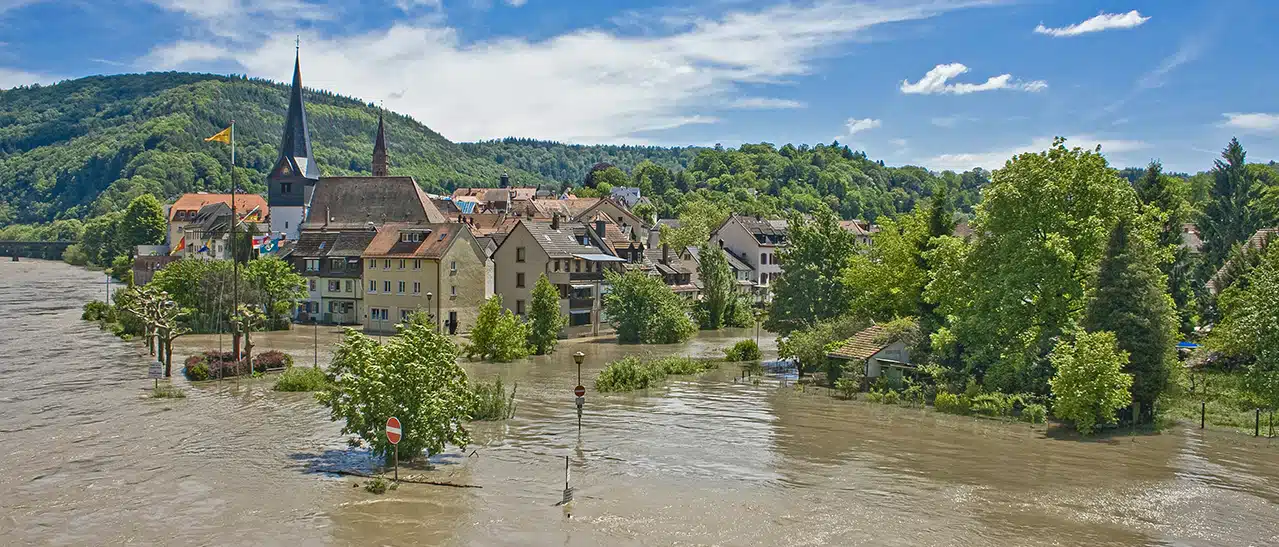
279 286
1250 327
811 287
1090 384
887 280
718 285
143 223
1228 216
696 221
810 344
99 244
1129 301
498 335
545 319
414 377
1039 234
645 311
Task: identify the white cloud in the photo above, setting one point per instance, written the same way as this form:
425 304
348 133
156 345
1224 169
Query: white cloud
516 3
1103 21
995 159
587 85
765 103
11 78
900 143
183 54
935 82
230 19
409 5
1259 122
856 126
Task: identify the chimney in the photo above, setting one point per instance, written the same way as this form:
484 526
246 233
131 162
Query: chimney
505 181
666 254
555 221
654 236
599 228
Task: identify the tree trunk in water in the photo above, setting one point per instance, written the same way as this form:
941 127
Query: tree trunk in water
150 333
248 351
168 356
235 347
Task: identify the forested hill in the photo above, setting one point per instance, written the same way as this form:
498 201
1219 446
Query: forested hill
85 147
571 162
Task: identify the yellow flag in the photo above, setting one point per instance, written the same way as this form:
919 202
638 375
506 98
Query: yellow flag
222 136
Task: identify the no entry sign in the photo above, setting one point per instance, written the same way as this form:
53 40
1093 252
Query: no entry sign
579 391
393 430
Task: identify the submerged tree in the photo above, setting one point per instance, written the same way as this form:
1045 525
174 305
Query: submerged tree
811 287
498 335
645 311
718 285
413 377
1090 384
545 319
1129 301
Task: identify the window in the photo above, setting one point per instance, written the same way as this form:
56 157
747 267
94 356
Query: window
453 268
417 264
519 280
349 285
312 264
372 286
337 264
386 287
372 263
401 264
400 288
310 284
763 258
578 264
453 291
386 264
417 288
519 254
411 237
519 307
286 187
335 285
442 236
379 314
557 264
404 315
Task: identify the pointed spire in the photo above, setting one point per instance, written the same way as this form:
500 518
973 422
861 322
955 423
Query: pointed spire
379 149
295 144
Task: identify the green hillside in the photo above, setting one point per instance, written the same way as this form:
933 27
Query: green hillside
85 147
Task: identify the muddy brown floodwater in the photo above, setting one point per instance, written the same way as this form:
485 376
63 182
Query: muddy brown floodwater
88 460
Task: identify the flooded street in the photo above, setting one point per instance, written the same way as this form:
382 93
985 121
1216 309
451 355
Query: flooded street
88 460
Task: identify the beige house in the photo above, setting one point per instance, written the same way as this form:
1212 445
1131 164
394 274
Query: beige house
438 268
754 241
573 256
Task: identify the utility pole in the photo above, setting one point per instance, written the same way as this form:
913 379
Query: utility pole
315 340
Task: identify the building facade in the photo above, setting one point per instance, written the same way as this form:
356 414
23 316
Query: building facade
437 268
331 263
755 242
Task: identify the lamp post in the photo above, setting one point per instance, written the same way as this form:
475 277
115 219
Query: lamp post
578 358
315 340
757 313
430 295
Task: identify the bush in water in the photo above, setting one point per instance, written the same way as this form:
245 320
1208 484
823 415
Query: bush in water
301 379
630 373
746 350
273 359
491 401
950 403
1034 413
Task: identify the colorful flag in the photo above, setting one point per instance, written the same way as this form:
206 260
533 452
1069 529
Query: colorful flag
222 136
258 240
182 244
270 246
204 248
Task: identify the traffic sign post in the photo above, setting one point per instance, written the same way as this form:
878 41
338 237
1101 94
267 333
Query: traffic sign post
393 434
155 372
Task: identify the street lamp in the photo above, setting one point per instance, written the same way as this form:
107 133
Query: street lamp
430 295
757 313
315 339
578 358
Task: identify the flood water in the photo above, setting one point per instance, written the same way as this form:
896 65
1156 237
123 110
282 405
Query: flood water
86 459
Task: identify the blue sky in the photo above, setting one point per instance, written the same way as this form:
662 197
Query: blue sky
947 84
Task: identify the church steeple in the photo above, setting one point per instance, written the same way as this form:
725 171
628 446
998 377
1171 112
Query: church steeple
379 150
295 144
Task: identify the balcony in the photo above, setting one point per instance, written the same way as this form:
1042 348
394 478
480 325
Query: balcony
586 276
581 303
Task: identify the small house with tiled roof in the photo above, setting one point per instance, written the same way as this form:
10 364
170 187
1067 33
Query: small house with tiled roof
878 350
250 207
331 264
437 268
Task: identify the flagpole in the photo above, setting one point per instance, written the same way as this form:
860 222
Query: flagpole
235 262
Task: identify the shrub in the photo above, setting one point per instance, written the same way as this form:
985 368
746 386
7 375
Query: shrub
630 373
875 396
273 359
913 395
98 310
377 485
492 402
197 373
891 397
950 403
992 404
1034 413
301 379
746 350
167 391
848 387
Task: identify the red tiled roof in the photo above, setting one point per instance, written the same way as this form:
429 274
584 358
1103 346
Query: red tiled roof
243 203
862 345
435 240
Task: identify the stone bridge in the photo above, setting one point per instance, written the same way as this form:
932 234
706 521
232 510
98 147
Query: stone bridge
51 250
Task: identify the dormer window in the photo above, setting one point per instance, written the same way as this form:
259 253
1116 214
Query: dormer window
286 187
412 236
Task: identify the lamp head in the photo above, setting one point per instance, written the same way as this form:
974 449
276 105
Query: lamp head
579 357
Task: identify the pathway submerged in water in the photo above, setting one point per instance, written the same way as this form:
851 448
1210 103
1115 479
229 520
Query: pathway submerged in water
88 460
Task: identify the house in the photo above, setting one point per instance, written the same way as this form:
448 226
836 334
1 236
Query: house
145 266
575 209
331 263
438 268
863 231
627 195
741 271
755 241
365 203
252 207
207 235
1259 241
573 255
1190 238
878 351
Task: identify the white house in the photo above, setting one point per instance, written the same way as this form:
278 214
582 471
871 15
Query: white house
754 241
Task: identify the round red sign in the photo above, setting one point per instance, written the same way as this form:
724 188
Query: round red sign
393 430
579 391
